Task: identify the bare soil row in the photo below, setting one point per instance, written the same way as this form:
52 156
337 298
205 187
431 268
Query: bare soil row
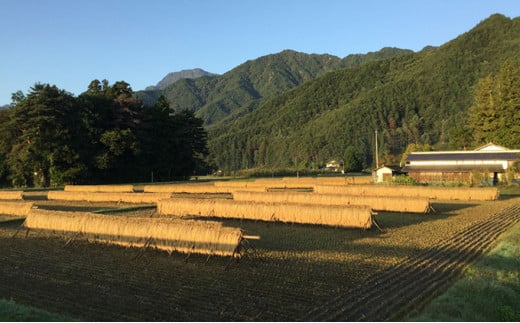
405 287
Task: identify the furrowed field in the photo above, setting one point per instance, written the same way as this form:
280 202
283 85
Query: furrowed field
289 272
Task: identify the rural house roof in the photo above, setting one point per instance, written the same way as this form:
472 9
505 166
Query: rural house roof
454 168
464 155
492 147
393 168
490 157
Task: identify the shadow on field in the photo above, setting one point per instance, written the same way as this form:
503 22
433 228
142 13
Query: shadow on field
296 238
69 208
442 207
388 220
506 196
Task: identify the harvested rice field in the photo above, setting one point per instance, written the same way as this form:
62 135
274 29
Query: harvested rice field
293 272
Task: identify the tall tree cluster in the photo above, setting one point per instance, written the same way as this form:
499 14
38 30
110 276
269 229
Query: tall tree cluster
495 114
50 137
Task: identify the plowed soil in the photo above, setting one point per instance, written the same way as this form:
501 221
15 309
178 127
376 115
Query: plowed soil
296 272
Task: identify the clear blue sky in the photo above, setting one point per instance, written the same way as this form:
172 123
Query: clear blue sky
71 42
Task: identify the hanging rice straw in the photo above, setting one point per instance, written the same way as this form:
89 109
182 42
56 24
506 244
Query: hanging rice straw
11 195
199 188
169 234
331 215
393 204
137 198
17 208
99 188
439 193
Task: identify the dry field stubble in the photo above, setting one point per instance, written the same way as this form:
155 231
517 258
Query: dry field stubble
295 268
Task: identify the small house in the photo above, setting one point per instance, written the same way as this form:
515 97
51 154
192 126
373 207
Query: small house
385 173
333 166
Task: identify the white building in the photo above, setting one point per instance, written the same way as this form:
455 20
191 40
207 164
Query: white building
385 173
460 165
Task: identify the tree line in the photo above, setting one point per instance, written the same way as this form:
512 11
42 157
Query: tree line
49 137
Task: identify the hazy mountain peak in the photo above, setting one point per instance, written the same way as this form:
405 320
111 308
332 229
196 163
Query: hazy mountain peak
173 77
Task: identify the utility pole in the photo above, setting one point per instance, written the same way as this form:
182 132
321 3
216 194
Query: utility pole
377 153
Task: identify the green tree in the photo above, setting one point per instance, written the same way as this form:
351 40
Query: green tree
111 118
352 160
41 151
190 139
495 114
414 147
158 141
174 144
5 146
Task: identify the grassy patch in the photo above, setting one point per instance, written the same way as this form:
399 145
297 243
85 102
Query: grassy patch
510 190
13 312
488 291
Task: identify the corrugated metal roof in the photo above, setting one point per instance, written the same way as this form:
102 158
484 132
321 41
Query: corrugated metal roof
453 168
470 155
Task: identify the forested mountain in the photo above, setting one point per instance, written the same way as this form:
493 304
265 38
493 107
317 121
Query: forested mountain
220 99
173 77
418 98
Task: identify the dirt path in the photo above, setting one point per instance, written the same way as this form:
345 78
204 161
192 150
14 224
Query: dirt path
406 287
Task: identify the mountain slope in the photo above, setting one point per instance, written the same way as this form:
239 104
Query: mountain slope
416 98
220 99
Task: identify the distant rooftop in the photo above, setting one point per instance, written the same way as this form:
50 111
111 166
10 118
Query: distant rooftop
489 151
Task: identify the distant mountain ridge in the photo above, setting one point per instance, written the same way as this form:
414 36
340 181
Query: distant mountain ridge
219 100
173 77
355 60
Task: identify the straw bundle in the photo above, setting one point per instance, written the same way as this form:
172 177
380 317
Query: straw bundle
357 180
440 193
202 195
393 204
269 180
167 234
17 208
261 185
332 215
467 193
99 188
340 180
184 188
137 198
11 195
242 184
198 188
